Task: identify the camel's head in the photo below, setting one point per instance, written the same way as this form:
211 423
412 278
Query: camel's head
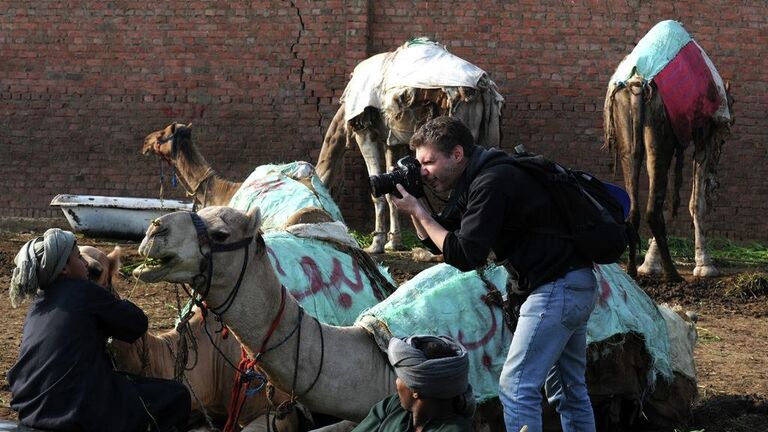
101 267
165 142
175 244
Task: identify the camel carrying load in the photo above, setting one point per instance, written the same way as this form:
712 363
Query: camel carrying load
388 97
664 95
633 345
629 354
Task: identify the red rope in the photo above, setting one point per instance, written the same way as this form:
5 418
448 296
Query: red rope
237 397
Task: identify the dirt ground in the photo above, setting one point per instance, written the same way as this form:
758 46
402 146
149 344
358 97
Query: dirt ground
731 356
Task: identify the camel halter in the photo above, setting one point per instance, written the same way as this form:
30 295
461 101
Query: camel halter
210 172
246 367
206 265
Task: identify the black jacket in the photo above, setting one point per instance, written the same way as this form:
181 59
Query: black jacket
497 206
63 378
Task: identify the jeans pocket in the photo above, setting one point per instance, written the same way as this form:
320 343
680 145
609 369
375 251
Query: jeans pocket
577 306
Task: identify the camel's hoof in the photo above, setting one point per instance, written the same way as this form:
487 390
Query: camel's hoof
649 270
374 249
395 246
706 271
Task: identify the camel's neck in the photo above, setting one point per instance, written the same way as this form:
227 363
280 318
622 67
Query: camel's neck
199 179
354 374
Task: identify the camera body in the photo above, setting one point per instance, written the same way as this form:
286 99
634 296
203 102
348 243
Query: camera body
407 173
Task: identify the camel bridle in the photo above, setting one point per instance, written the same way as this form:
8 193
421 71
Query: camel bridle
191 191
246 368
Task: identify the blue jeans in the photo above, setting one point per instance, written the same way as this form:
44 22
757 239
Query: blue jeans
549 348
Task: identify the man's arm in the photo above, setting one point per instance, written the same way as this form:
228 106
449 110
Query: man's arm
426 226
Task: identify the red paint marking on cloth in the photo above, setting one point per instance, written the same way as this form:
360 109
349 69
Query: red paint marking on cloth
278 267
337 278
263 186
485 339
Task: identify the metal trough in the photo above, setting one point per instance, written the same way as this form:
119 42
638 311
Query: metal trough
116 217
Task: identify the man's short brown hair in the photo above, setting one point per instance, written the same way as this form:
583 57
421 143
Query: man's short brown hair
444 133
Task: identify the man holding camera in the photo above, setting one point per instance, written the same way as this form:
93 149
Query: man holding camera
498 207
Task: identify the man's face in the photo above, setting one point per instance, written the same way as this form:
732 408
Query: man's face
76 267
439 171
405 394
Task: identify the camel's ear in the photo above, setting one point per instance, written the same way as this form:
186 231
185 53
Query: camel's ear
728 85
189 125
254 215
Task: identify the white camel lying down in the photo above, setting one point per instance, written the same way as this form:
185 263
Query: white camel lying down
210 377
321 364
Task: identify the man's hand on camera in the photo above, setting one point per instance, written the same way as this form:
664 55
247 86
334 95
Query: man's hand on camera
408 203
425 224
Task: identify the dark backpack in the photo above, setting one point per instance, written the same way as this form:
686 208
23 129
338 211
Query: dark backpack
594 218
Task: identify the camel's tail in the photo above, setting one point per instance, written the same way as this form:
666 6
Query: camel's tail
609 127
490 128
330 163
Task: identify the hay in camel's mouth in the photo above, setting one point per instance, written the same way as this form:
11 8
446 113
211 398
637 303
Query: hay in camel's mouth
154 268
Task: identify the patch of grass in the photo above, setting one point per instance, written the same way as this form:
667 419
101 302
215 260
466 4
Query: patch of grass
410 239
706 336
746 285
721 250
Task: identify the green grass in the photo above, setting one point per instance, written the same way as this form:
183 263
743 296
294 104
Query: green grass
410 240
723 251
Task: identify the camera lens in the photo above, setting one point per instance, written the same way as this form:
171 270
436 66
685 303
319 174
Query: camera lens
381 184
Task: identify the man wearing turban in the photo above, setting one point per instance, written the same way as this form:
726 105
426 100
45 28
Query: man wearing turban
63 378
433 391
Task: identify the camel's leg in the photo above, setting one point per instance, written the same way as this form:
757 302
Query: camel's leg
652 263
659 151
631 154
698 208
372 156
393 154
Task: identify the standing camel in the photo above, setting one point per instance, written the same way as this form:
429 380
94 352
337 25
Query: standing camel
333 370
388 97
663 96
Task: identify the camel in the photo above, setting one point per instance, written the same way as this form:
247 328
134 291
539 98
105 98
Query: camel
638 124
383 105
102 267
174 144
295 352
207 374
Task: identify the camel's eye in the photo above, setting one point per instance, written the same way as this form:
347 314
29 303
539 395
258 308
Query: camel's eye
219 236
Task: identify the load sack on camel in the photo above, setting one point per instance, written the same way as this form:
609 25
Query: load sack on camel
688 82
281 190
387 82
628 337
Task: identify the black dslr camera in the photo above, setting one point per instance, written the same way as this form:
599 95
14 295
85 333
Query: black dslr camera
407 173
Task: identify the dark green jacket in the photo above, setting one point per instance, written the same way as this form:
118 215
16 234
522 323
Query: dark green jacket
389 416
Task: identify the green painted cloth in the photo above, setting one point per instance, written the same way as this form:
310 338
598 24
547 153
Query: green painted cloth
652 53
281 190
445 301
333 283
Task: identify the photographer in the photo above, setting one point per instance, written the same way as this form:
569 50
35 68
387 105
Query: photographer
497 206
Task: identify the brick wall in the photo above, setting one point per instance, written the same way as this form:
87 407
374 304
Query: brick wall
81 84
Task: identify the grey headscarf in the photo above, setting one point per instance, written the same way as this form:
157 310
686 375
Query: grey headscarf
443 378
39 262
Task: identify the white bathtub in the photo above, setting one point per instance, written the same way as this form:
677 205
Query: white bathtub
118 217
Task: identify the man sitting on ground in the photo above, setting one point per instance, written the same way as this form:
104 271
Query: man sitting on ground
63 378
433 391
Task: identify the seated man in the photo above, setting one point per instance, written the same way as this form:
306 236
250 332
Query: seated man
63 378
433 391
